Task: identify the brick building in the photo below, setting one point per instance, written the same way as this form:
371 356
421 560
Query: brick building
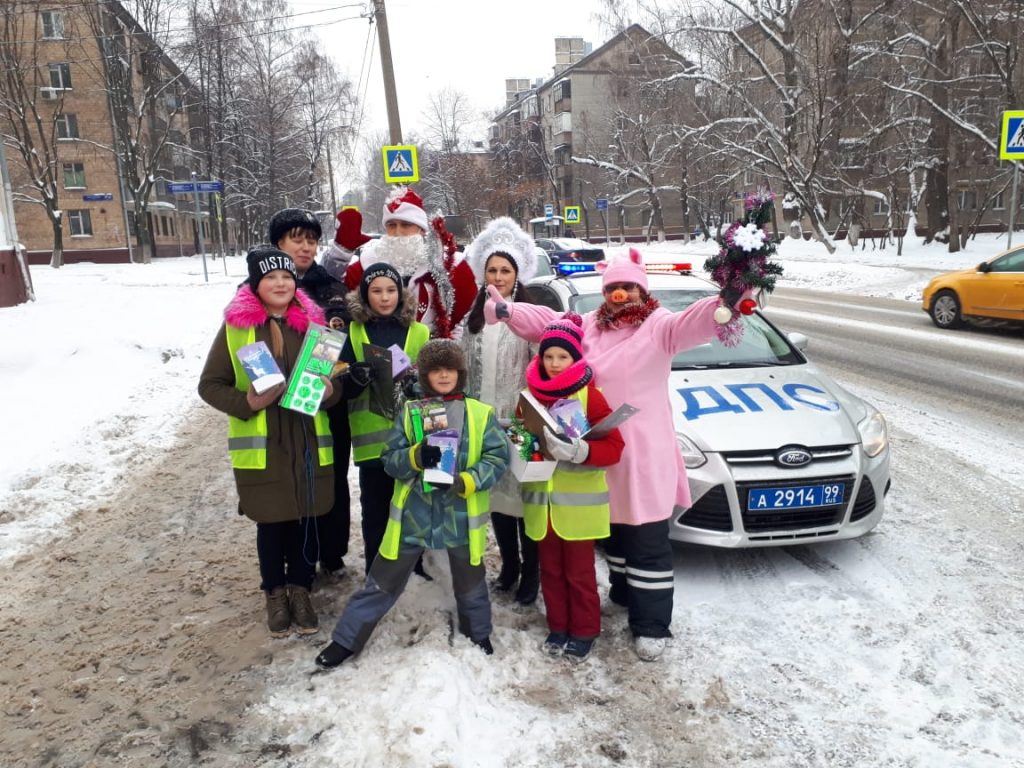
70 89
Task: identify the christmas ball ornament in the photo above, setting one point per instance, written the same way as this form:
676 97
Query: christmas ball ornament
536 456
747 306
723 315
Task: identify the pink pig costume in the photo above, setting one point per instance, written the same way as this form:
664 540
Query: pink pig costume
631 364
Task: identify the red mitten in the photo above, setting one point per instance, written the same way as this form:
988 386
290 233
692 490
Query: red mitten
349 234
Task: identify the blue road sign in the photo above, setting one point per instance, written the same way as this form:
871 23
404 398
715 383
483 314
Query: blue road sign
180 187
98 196
1011 143
549 210
601 203
401 165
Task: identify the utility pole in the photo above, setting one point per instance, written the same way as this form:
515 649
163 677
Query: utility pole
330 175
390 94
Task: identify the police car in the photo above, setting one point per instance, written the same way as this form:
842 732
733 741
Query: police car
776 452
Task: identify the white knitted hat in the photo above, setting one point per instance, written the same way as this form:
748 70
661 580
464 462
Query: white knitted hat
503 235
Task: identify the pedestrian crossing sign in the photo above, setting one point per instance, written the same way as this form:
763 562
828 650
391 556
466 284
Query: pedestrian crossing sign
400 165
1011 144
572 214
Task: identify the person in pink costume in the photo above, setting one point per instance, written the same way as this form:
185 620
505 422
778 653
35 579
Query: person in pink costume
629 342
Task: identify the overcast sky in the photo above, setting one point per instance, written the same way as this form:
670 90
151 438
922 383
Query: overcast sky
470 45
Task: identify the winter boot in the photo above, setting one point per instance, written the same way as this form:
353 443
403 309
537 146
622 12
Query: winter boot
419 571
279 616
577 649
485 645
332 656
649 648
302 611
554 643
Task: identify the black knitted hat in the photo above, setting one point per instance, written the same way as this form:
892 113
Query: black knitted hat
264 259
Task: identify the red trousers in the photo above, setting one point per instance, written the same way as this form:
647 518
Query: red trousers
569 582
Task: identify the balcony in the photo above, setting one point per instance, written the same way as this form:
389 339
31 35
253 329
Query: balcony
561 128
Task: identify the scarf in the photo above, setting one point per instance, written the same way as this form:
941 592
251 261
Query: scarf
630 315
547 389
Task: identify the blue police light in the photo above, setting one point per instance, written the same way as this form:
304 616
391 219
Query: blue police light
572 267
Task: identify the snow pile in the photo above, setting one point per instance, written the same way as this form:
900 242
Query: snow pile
106 360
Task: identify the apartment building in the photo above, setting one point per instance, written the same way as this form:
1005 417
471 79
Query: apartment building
560 140
88 98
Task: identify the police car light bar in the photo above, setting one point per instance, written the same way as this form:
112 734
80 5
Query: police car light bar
678 266
572 267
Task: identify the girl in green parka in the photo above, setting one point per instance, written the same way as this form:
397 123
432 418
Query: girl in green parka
432 517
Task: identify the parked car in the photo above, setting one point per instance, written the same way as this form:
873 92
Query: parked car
990 294
544 268
776 452
561 248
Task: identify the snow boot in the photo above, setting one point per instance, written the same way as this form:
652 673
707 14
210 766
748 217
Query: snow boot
577 650
529 585
332 656
485 645
649 648
419 571
302 611
554 643
505 535
279 616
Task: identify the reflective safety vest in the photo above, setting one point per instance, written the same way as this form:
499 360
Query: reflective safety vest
247 438
369 430
576 497
477 507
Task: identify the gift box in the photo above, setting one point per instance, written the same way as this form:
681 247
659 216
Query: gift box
531 471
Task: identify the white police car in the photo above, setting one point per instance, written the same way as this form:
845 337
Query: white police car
776 452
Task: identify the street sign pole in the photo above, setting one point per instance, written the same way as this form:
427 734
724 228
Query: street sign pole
199 226
1013 205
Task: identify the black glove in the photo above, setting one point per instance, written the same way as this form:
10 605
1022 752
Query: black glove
427 456
361 373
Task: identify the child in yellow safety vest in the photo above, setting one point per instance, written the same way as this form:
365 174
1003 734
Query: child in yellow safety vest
282 459
452 517
568 512
383 314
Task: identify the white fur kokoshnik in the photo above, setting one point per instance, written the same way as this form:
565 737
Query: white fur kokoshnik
405 205
503 235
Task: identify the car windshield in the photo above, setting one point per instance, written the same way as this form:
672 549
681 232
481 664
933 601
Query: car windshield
572 243
760 346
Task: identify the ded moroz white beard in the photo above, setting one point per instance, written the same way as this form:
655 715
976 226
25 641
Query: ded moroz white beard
406 254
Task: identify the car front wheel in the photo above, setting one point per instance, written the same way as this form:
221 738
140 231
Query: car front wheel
946 310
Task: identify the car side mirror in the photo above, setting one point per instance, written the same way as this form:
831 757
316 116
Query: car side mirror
798 340
984 267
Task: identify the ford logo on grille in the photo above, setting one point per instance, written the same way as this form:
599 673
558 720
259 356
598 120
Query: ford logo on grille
792 456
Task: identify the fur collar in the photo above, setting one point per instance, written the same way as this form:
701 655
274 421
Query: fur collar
247 311
361 313
632 315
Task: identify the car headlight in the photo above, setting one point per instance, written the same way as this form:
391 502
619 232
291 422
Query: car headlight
874 434
693 456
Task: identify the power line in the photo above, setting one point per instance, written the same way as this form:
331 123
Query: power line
220 25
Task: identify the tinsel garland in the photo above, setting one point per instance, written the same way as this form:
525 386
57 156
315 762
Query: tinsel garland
630 315
525 444
743 261
441 258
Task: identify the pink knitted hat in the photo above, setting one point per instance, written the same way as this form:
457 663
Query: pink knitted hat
565 333
624 269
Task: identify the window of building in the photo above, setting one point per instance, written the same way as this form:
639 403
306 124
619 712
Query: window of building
67 126
634 58
74 175
998 202
163 226
60 76
563 90
748 177
563 154
967 200
81 223
53 25
880 206
171 221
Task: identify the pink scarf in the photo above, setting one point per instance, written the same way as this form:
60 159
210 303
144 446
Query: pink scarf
547 389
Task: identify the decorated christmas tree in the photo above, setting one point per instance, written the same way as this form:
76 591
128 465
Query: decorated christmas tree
743 264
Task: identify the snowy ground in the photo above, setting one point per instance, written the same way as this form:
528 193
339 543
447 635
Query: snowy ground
898 649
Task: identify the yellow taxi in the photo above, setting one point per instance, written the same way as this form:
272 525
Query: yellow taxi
990 294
